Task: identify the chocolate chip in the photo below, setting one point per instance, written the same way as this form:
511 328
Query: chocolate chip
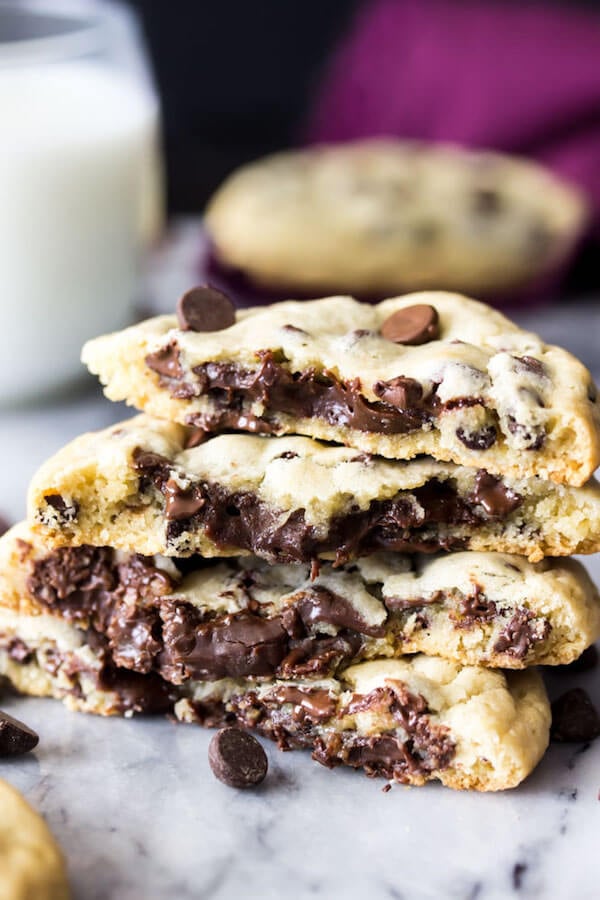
205 309
182 504
4 525
196 437
487 202
497 499
478 440
574 717
412 325
533 365
536 439
236 758
520 633
401 392
166 361
66 512
15 737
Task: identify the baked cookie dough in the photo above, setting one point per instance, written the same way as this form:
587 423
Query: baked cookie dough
203 620
475 389
136 487
31 864
380 217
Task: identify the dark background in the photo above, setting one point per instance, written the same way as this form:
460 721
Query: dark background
236 78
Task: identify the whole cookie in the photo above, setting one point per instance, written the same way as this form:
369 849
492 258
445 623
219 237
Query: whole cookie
31 864
374 218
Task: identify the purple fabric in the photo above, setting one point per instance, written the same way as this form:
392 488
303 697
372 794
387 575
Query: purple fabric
516 77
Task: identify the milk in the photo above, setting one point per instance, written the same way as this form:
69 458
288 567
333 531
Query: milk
79 201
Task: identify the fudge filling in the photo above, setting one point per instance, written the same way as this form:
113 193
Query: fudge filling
125 603
134 692
133 615
402 406
412 748
405 523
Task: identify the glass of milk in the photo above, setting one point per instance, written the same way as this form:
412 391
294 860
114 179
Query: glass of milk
80 185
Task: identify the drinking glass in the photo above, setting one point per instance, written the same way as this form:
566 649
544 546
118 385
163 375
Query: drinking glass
81 195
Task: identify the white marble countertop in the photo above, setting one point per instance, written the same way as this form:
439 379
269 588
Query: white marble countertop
140 817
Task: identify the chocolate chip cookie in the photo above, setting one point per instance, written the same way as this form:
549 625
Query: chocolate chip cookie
433 373
137 488
201 619
380 217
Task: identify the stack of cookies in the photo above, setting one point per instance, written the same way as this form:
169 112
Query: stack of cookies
342 525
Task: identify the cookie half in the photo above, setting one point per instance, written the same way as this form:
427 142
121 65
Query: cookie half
383 216
136 487
469 386
205 620
412 721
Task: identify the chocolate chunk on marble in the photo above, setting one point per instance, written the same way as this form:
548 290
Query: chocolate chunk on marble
412 325
237 759
574 717
16 738
205 309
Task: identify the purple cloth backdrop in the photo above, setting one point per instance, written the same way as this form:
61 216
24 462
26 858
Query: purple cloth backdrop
517 77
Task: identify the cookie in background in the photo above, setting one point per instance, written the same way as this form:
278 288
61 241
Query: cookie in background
374 218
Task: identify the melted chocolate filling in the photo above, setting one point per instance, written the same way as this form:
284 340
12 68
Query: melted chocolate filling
242 521
310 394
426 748
289 715
232 390
135 692
142 630
520 633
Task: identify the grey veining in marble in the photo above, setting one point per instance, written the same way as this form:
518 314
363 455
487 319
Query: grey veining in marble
140 817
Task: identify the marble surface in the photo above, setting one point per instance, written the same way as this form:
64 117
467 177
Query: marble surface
140 817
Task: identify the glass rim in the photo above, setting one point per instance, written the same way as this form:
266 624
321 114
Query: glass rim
82 30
